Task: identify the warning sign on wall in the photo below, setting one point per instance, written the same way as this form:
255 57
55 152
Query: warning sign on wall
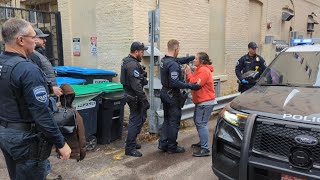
93 46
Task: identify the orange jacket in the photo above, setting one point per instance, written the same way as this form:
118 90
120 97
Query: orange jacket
206 93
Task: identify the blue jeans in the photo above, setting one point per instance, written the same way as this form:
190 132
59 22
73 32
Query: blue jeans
201 117
16 147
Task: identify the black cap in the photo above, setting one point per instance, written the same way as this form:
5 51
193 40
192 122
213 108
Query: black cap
39 33
137 46
252 45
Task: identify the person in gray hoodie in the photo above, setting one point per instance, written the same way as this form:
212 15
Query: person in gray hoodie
38 57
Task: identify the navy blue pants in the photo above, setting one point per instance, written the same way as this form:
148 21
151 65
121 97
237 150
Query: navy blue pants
16 148
171 123
136 120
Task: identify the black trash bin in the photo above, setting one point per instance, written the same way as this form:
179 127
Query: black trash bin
110 117
89 112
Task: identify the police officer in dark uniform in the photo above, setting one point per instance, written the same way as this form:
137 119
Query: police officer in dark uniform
171 97
27 128
133 78
249 68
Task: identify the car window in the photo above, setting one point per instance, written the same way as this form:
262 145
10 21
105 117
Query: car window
293 68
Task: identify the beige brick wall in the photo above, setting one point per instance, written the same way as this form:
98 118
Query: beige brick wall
119 22
64 6
186 21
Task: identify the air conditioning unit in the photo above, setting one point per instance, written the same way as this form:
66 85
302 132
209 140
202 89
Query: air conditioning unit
286 16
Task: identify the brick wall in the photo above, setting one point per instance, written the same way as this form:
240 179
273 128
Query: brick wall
120 22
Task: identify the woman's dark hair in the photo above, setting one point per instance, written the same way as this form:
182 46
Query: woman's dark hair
204 58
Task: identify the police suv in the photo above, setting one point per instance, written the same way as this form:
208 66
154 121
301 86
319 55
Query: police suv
272 131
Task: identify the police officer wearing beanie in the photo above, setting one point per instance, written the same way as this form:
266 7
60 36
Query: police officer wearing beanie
133 78
172 82
27 127
249 62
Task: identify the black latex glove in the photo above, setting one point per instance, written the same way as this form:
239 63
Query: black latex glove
194 87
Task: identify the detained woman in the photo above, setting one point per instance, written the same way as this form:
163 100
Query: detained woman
204 99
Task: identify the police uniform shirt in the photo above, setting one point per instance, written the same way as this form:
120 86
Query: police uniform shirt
247 63
170 70
29 80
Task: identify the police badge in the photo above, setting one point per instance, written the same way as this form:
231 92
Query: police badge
257 59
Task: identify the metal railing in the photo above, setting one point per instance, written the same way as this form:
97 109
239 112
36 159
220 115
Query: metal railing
188 110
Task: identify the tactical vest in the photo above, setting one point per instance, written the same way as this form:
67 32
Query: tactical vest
164 71
11 98
124 77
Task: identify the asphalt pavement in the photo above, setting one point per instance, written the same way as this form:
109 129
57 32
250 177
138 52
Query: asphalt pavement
109 161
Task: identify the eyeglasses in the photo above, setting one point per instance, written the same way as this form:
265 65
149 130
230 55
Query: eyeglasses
32 37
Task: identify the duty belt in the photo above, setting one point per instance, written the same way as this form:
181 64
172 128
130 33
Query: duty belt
17 126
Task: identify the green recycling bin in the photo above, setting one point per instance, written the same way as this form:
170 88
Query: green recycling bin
87 104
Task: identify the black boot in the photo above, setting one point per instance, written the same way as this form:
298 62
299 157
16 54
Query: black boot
134 153
138 146
202 152
196 145
177 150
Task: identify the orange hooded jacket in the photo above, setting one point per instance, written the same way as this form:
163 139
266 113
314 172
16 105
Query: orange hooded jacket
206 93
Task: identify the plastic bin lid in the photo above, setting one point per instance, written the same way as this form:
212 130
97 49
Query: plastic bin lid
69 80
107 87
85 90
82 70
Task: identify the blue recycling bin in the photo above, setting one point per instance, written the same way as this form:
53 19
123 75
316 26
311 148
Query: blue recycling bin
69 80
91 75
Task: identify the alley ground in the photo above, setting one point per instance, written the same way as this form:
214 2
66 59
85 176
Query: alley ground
109 161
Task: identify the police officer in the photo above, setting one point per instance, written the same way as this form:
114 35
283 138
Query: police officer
26 121
133 78
249 62
172 82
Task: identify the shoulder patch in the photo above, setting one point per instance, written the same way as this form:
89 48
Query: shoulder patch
136 73
40 94
174 75
237 63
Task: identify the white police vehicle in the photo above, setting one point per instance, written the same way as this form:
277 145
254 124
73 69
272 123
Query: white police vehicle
272 131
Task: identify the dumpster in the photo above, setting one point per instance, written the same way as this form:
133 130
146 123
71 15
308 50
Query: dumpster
87 104
91 75
69 80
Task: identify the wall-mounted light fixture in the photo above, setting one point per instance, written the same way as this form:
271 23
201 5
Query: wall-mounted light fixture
311 22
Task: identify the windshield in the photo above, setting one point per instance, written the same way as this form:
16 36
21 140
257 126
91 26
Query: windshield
293 68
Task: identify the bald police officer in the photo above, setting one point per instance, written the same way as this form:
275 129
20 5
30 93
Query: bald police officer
172 82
